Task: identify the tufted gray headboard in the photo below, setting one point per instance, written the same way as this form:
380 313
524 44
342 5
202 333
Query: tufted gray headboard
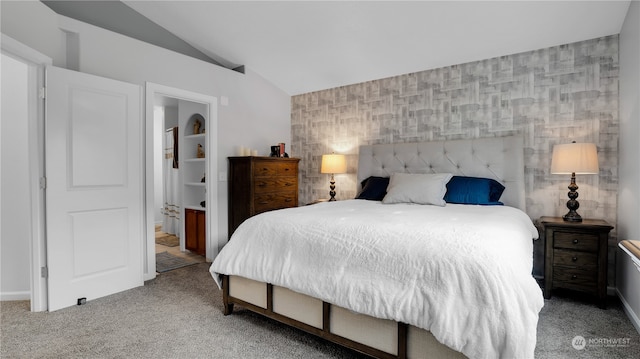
500 158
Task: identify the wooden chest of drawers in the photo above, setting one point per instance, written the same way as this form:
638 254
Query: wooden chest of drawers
576 256
260 184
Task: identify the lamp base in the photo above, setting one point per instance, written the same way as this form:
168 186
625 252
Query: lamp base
572 216
332 188
572 203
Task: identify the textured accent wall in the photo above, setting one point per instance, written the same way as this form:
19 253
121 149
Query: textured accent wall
549 96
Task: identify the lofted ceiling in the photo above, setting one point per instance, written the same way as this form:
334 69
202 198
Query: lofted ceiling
305 46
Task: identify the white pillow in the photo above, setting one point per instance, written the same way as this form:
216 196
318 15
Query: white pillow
417 188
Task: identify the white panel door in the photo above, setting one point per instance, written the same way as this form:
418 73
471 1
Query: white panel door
94 193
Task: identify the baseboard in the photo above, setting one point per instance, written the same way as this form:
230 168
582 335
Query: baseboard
629 311
9 296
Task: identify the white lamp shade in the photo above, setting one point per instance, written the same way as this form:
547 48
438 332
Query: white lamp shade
578 158
333 163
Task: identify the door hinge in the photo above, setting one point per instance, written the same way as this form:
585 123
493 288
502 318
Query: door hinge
42 93
44 272
43 182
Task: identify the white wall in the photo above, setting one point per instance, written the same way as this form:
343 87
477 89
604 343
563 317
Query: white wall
170 117
629 146
629 160
15 281
258 113
158 158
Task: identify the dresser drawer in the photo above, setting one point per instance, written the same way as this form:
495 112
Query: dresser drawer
576 240
272 184
268 201
275 168
575 258
575 278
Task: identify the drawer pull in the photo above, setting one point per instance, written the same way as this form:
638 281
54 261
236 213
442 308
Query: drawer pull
574 277
575 241
264 202
574 259
288 200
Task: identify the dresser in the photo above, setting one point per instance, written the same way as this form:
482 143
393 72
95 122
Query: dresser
576 256
260 184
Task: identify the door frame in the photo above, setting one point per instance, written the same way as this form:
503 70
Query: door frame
153 90
36 63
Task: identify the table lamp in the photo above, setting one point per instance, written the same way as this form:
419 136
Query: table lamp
333 164
574 158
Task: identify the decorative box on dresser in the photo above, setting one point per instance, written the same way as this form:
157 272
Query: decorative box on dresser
576 256
260 184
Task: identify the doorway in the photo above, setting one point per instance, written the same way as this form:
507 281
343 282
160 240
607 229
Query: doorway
177 189
22 132
16 231
172 250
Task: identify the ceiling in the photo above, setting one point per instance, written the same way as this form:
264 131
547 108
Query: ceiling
306 46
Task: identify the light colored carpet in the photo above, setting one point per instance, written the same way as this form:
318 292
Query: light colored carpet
179 315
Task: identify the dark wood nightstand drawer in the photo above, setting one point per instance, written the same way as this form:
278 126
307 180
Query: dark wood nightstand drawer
574 258
581 241
575 278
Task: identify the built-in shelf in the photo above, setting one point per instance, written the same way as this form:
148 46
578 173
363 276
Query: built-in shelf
193 168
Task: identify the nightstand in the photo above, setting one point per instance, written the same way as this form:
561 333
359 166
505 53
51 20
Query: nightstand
576 256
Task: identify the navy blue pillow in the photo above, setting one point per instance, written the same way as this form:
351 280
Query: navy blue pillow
374 188
473 190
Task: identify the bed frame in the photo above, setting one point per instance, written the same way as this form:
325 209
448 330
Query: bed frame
500 158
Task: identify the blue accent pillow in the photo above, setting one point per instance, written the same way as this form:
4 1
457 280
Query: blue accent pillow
374 188
473 190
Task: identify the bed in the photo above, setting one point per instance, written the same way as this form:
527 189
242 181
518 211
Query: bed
403 279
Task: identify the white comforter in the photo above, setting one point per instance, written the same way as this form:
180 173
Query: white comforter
462 272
